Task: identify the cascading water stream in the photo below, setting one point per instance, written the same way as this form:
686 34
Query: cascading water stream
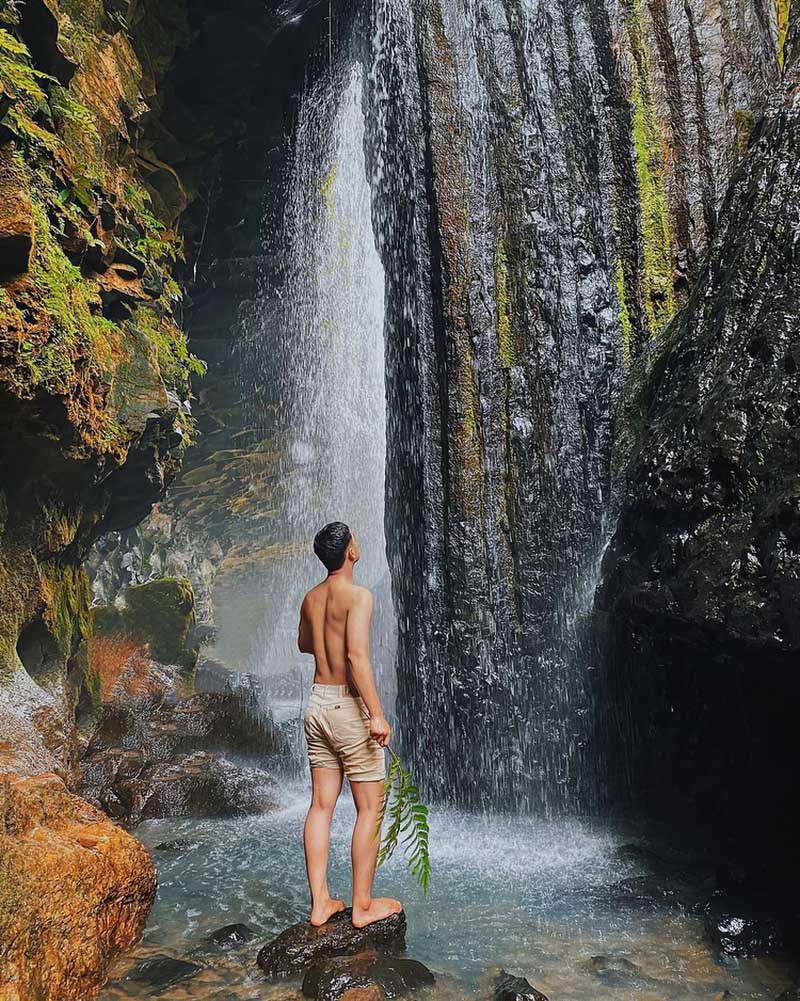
331 378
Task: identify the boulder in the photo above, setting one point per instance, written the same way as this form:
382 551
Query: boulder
202 784
736 928
334 979
160 972
510 988
302 945
231 936
75 890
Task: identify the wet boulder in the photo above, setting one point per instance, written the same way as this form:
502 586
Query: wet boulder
511 988
231 936
161 972
302 945
203 784
341 976
737 928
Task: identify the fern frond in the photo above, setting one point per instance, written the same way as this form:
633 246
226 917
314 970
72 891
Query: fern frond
407 819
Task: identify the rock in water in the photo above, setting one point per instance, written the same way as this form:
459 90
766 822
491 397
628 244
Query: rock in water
231 935
737 929
298 947
162 971
338 978
510 988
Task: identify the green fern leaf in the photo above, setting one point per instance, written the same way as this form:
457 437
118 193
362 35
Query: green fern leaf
405 815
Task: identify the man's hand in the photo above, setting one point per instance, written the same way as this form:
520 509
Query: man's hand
380 730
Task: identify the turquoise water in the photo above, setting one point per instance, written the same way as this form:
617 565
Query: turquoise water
540 898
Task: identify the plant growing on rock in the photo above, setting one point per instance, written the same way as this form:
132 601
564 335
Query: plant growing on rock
408 822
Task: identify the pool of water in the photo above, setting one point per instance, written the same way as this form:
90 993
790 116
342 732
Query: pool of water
568 904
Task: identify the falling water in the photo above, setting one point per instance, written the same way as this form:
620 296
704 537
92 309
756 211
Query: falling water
332 395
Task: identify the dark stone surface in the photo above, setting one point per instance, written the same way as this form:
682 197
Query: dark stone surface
231 936
736 928
298 947
698 617
154 756
131 788
161 972
330 979
510 988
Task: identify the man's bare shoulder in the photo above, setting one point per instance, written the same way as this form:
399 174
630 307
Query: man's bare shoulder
360 597
312 595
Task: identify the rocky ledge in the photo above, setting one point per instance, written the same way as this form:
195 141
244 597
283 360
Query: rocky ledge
75 890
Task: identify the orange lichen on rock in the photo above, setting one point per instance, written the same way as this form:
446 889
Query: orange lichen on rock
75 890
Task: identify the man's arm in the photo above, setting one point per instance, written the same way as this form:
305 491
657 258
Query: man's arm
357 640
304 640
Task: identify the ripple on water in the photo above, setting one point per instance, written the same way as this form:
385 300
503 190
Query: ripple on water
540 898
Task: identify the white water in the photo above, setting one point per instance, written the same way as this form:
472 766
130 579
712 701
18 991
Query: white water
332 382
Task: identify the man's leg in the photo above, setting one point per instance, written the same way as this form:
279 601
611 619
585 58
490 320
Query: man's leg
326 784
368 797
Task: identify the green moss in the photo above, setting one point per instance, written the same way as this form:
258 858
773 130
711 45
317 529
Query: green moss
783 25
326 188
624 315
505 338
159 613
68 597
648 143
744 121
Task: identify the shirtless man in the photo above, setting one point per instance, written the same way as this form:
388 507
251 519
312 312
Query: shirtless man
345 728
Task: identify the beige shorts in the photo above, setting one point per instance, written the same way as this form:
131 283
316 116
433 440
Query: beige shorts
337 732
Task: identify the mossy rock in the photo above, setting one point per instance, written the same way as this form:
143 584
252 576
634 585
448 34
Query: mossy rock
159 613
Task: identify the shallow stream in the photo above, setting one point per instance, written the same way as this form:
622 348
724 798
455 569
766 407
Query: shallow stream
585 910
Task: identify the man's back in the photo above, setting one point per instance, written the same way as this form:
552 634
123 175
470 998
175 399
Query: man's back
325 612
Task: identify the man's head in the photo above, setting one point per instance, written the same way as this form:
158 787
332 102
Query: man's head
334 544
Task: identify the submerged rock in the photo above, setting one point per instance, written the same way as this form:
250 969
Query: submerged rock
511 988
162 971
334 979
175 847
298 947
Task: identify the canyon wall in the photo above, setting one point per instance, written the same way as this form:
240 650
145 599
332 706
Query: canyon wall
547 177
699 612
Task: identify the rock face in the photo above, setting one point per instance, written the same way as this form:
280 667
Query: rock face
302 945
93 368
699 613
547 181
154 749
74 891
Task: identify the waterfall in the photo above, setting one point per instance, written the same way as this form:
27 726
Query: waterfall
331 381
502 361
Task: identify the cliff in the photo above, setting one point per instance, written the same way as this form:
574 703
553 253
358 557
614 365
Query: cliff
699 611
544 215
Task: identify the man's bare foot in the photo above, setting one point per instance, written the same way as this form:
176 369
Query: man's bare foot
379 908
324 911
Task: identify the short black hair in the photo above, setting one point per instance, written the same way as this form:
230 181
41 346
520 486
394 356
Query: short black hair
330 544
